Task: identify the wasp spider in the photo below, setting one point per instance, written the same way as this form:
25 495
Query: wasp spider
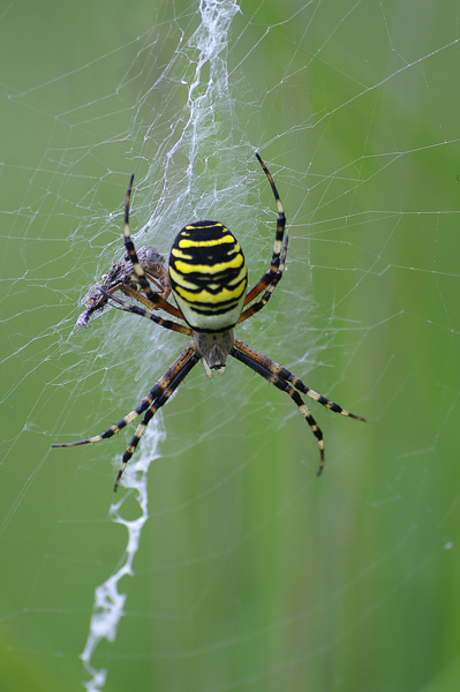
208 277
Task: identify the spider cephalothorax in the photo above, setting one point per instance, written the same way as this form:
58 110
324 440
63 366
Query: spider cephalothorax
207 275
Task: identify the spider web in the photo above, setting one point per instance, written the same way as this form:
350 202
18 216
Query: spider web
243 570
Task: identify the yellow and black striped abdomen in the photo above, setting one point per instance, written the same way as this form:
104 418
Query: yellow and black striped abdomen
208 275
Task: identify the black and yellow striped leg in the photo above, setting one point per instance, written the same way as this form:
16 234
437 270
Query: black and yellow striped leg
160 302
258 366
168 384
131 250
274 270
285 374
155 394
154 298
136 310
255 307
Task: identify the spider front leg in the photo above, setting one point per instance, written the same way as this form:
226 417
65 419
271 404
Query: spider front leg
280 383
170 383
287 382
285 374
157 397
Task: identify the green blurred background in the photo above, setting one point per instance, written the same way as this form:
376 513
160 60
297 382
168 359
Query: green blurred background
252 574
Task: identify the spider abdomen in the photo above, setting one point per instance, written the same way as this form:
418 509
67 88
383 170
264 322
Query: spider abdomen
209 276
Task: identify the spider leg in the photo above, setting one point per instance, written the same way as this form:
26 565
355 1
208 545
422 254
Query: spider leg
153 297
269 276
168 384
155 395
136 310
159 302
284 374
260 368
255 307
